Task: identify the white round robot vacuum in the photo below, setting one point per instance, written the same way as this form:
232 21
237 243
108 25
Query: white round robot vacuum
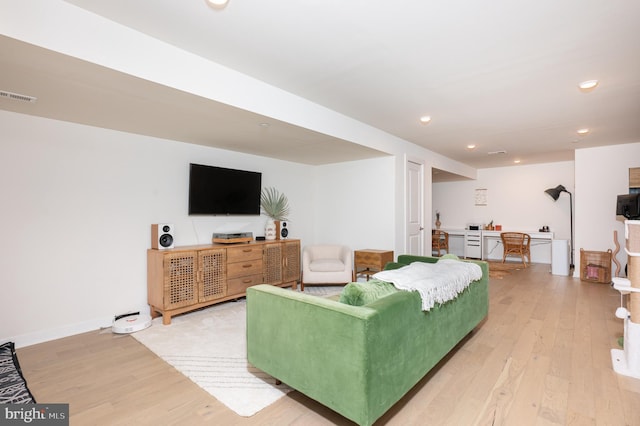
130 323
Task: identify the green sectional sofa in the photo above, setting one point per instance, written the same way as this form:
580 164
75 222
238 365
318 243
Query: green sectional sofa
357 360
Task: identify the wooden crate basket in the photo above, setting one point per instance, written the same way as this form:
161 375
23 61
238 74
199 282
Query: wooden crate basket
595 266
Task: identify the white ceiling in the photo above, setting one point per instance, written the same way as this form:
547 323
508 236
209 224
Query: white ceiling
502 75
73 90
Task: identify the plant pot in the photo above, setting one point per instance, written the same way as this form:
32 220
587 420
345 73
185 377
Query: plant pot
270 230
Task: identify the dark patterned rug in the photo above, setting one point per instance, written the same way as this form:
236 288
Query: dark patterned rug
13 387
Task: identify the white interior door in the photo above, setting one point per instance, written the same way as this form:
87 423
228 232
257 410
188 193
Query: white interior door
415 216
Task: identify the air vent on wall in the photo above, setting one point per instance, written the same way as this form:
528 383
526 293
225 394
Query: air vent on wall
502 151
17 97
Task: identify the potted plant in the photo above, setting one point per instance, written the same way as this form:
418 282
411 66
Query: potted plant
275 205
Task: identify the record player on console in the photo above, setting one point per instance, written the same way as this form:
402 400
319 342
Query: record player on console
226 238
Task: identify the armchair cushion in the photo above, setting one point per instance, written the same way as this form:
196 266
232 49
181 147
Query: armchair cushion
326 265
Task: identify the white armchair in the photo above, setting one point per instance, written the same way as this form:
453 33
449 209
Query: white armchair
326 264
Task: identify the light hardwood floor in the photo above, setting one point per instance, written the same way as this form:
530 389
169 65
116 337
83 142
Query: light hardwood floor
541 358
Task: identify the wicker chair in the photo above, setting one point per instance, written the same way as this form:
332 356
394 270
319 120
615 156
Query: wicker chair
439 241
516 244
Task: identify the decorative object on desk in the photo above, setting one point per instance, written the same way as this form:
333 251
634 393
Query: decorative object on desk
545 228
438 223
276 206
498 227
555 194
489 227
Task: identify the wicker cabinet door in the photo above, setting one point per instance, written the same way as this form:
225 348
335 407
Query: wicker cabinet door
180 279
212 271
291 261
272 263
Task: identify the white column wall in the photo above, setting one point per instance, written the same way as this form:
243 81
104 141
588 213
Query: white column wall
601 175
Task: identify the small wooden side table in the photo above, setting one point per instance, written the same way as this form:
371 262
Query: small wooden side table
369 261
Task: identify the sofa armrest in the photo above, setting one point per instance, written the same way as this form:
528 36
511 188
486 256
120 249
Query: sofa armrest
316 345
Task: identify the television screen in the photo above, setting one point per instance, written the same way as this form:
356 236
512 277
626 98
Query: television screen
628 205
221 191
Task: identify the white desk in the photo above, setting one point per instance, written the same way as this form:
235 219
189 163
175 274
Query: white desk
492 244
456 241
540 245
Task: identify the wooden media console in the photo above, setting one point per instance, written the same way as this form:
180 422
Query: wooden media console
186 278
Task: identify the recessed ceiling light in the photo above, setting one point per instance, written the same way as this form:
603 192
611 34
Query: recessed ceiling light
583 132
471 146
264 125
587 86
425 119
217 4
516 161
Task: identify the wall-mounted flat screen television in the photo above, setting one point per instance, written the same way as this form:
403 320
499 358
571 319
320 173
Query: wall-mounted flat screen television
628 205
222 191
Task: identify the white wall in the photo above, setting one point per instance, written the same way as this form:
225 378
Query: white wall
516 200
355 204
601 175
77 205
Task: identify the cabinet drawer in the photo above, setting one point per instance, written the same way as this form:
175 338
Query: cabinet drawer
240 285
367 259
242 269
370 259
240 254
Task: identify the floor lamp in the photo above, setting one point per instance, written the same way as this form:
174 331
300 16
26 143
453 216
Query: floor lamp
555 194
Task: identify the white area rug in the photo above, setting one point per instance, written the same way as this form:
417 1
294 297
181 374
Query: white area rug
209 347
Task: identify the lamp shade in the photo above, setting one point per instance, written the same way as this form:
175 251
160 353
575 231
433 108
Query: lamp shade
555 192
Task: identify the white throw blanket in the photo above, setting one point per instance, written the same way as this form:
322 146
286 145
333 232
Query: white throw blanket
436 282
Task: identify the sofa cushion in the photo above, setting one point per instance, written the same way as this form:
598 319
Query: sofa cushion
449 256
326 265
363 293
